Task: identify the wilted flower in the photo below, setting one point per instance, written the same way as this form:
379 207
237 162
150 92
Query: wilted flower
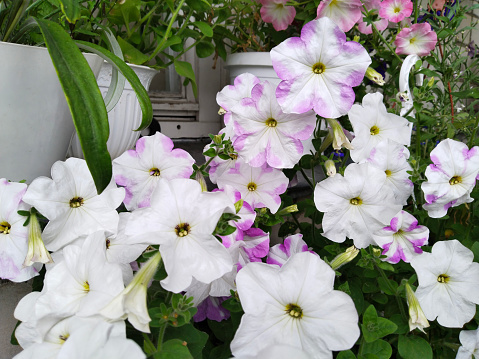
338 136
417 319
37 253
330 167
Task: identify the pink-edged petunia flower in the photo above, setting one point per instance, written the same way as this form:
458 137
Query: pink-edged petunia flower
252 248
451 177
402 239
277 13
372 123
280 253
259 186
345 13
266 133
356 205
418 39
395 10
139 170
381 23
319 69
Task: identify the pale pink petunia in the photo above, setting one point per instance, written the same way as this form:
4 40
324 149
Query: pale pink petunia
319 70
139 170
259 186
381 23
418 39
277 13
402 239
395 10
345 13
266 133
280 253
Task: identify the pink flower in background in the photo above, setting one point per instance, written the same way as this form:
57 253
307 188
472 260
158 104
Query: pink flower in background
291 245
345 13
319 70
277 13
381 23
418 39
402 239
396 10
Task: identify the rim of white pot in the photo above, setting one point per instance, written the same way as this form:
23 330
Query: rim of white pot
249 58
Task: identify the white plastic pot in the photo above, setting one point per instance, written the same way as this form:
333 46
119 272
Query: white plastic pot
35 121
125 116
256 63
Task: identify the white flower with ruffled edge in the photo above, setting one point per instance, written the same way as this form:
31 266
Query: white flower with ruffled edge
470 344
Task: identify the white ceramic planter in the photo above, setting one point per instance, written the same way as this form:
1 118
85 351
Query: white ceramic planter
125 116
35 121
256 63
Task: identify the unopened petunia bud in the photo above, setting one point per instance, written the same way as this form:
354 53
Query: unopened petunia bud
430 83
201 180
375 76
290 209
339 138
330 168
217 139
356 38
37 253
238 205
417 318
343 258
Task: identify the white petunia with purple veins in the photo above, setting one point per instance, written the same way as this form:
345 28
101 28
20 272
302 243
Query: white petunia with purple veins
372 123
139 170
280 253
451 177
391 157
259 186
402 239
319 70
266 133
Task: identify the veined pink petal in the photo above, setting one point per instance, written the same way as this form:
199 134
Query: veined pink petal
275 12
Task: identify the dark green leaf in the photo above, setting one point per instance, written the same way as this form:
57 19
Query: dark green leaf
374 327
131 53
71 9
173 349
348 354
185 69
194 338
204 49
210 153
380 348
205 28
471 93
414 347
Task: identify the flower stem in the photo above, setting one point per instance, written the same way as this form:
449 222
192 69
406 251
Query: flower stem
307 178
391 288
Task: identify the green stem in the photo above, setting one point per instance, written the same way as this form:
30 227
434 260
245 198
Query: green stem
161 335
416 11
391 288
306 178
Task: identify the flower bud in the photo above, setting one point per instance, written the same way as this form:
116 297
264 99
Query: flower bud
343 258
217 139
221 111
290 209
330 168
417 318
201 180
37 253
430 83
356 38
339 138
238 205
375 76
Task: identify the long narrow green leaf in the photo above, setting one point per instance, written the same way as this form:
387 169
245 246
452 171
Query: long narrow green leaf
131 77
84 99
71 9
16 13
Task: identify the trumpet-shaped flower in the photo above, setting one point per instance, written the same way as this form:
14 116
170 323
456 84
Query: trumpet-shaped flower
277 13
280 253
280 309
418 39
355 205
372 124
451 177
181 219
470 344
448 283
267 134
395 10
339 138
71 203
319 70
37 253
131 302
345 13
139 170
13 235
259 186
402 239
417 318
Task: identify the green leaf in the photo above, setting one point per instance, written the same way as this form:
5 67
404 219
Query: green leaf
173 349
131 77
210 153
204 49
195 339
471 93
204 28
380 348
84 99
71 9
131 53
414 347
185 69
348 354
375 327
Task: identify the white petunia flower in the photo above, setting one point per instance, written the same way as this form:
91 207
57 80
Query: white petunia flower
71 202
294 305
448 283
470 344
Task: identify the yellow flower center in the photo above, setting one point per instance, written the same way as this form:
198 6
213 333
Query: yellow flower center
63 337
319 68
107 244
233 156
356 201
443 278
455 180
271 122
388 173
76 202
154 172
412 40
5 228
397 10
252 186
86 287
182 229
374 130
294 311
